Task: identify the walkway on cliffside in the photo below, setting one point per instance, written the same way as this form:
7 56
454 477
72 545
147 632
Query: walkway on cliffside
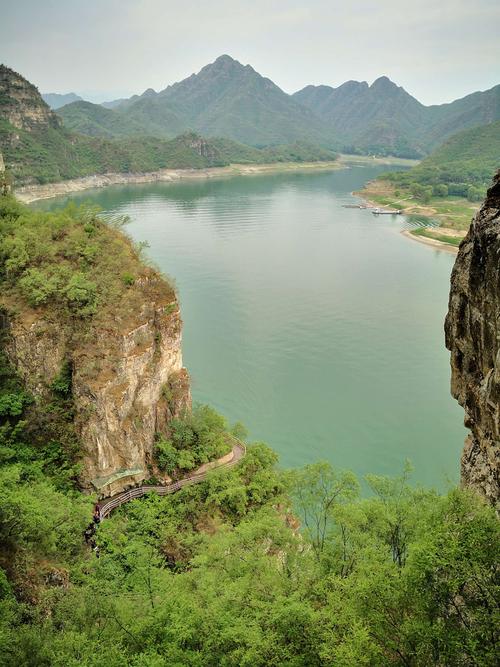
106 506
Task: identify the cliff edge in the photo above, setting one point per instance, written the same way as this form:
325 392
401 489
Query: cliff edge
94 334
472 331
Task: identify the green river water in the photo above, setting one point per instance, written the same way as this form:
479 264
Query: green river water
319 327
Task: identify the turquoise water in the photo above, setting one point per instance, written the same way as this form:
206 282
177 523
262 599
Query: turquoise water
319 327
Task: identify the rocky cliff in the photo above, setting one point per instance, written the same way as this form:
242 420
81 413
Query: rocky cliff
21 103
473 338
127 378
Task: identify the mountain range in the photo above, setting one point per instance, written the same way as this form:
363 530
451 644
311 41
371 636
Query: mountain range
468 158
37 147
245 117
224 99
385 115
232 100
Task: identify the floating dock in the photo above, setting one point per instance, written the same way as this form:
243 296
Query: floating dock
377 211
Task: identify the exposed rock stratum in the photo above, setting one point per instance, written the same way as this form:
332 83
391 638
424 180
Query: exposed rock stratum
473 337
128 380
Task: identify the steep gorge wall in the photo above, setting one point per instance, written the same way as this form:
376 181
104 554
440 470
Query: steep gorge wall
473 337
128 380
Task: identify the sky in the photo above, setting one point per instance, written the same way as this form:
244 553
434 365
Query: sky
103 49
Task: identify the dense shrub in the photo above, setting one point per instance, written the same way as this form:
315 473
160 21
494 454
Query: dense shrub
195 438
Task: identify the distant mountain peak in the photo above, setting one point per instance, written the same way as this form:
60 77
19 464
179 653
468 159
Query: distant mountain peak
353 85
57 100
226 63
383 83
225 58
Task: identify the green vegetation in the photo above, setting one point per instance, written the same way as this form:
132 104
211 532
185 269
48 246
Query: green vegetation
218 574
300 151
72 261
254 566
461 167
97 121
383 119
196 438
44 151
231 100
225 99
447 185
429 233
36 443
55 154
66 265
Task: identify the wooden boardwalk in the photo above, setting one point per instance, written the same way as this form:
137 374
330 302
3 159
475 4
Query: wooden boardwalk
106 506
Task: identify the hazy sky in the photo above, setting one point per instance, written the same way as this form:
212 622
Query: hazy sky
438 50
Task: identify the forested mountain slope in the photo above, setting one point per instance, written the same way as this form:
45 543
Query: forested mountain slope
228 99
384 118
37 147
465 161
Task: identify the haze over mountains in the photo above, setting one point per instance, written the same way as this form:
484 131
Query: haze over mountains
224 99
237 110
229 99
56 100
384 114
36 147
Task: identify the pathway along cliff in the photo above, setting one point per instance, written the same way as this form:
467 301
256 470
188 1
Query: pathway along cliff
473 338
106 506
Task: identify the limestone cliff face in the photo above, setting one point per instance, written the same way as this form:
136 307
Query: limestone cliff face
473 337
127 379
21 103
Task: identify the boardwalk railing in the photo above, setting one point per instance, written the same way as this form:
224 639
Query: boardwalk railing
105 507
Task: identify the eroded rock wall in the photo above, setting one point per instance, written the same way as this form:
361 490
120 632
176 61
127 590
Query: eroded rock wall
22 105
128 380
473 337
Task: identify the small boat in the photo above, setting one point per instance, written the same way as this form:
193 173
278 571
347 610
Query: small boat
378 211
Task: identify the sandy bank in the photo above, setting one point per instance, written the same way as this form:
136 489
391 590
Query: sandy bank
426 240
380 194
31 193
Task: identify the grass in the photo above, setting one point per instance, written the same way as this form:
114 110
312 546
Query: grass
430 234
450 212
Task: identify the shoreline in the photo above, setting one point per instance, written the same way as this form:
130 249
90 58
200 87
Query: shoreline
424 211
428 241
36 192
31 193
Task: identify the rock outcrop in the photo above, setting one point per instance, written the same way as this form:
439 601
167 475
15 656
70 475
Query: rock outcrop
473 337
200 145
21 103
126 374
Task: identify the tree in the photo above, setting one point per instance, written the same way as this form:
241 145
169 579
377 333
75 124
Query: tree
317 490
440 190
394 511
